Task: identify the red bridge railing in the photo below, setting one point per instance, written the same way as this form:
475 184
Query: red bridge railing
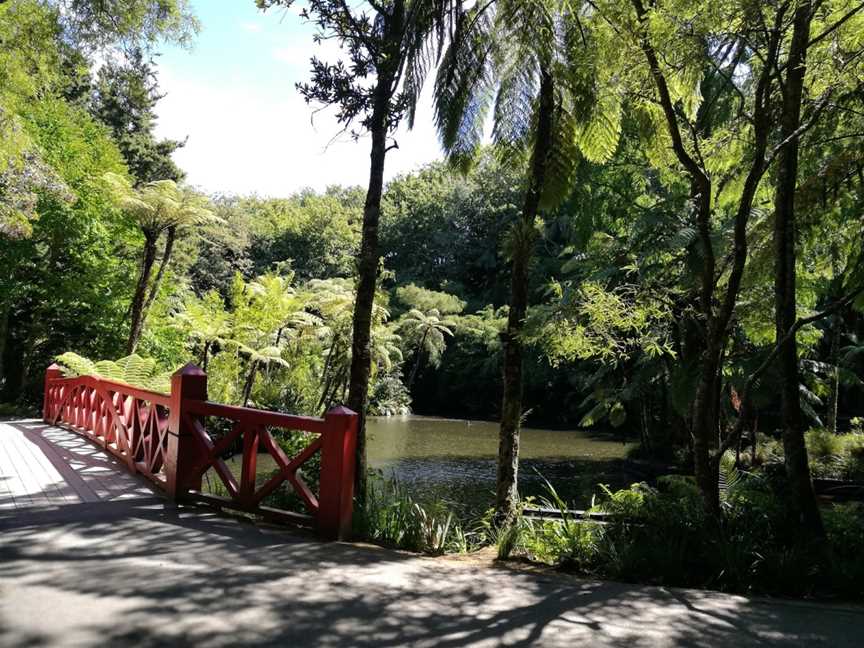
165 438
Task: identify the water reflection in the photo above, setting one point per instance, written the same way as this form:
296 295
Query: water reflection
455 459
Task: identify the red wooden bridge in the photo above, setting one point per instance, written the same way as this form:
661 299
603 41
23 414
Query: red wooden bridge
166 439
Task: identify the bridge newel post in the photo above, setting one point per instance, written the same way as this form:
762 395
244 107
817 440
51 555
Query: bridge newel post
51 373
184 449
338 463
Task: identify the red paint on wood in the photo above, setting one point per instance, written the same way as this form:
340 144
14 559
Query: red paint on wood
165 439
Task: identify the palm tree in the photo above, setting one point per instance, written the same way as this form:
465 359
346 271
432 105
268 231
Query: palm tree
158 207
389 46
258 358
531 61
425 332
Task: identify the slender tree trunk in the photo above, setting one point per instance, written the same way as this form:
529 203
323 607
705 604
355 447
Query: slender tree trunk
417 360
136 309
206 355
507 489
754 441
834 396
157 282
250 382
327 376
361 358
796 460
834 355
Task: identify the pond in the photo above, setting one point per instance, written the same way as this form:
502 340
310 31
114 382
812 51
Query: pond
456 459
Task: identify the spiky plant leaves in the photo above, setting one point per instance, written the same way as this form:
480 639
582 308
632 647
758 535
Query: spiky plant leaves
464 87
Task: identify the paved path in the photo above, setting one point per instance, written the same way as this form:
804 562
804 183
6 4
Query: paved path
139 572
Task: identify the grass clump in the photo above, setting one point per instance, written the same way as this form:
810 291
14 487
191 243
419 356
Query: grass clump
392 517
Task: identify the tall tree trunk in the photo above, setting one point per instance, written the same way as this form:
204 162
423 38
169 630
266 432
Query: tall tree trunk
796 461
327 374
206 355
367 269
507 486
834 353
704 431
136 309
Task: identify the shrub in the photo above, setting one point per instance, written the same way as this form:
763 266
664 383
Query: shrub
844 527
662 535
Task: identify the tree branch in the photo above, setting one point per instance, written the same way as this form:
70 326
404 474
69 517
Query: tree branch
836 25
754 377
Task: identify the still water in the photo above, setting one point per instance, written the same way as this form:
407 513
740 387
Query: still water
456 459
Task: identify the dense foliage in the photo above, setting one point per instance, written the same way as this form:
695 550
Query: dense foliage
628 251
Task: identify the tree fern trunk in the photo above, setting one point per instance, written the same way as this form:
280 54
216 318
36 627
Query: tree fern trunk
834 396
417 359
250 382
136 309
170 237
795 451
834 354
507 487
205 356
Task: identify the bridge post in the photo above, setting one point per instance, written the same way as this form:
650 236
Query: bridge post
184 450
51 373
336 492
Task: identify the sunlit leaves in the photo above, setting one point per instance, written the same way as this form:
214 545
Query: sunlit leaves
131 370
160 205
605 325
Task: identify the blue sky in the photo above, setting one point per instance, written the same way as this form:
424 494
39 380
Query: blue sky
248 129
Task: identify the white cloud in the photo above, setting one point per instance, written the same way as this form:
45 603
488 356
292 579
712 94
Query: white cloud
251 27
298 53
245 139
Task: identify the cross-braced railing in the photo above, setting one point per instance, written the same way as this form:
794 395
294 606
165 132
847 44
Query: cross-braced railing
166 438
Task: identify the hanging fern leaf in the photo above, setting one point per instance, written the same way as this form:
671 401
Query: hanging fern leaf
598 140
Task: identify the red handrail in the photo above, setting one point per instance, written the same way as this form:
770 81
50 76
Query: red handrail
165 438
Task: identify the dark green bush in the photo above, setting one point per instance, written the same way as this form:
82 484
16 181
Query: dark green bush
661 535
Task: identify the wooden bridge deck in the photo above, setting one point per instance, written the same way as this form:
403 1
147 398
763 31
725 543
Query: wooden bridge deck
46 466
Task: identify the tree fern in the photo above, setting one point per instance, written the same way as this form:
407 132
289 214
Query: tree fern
131 370
496 58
